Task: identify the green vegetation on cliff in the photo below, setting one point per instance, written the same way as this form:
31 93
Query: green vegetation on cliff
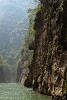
48 69
14 22
5 71
26 54
26 48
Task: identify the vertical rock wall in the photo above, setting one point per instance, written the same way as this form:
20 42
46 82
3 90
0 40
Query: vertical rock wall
48 70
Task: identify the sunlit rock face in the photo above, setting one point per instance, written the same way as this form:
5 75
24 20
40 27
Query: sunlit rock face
48 71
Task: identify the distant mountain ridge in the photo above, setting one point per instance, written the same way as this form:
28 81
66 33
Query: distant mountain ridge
11 13
13 27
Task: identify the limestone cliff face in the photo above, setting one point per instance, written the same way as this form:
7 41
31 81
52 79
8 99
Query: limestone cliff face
48 70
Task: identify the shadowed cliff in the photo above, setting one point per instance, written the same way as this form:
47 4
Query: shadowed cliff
48 69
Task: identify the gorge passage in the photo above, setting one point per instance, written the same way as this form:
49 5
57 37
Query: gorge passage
48 69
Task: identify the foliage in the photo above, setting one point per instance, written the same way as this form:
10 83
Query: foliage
1 61
26 54
13 28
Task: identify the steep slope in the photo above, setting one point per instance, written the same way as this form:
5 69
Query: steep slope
11 13
14 22
4 69
48 70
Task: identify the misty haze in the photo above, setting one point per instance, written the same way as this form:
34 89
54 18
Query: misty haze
33 49
14 24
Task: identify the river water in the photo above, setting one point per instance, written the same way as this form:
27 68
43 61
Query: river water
13 91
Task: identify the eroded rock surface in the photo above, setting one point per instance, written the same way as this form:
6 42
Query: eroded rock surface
48 71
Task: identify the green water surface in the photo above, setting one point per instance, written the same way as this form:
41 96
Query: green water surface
18 92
